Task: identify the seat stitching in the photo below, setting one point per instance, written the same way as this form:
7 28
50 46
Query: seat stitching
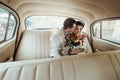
20 73
32 35
74 69
62 70
117 59
5 73
35 41
35 72
35 45
50 71
113 66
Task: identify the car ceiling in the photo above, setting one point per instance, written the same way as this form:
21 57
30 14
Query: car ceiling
87 10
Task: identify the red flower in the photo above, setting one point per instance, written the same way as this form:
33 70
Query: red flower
75 40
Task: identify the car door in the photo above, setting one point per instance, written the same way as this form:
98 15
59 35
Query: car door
106 35
8 30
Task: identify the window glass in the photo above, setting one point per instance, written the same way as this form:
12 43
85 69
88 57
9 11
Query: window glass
107 29
7 25
4 15
110 30
11 27
43 22
96 30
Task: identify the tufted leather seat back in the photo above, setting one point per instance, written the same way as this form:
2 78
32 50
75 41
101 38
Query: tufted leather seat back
101 66
34 44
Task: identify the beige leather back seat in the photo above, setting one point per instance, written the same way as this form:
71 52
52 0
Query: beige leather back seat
34 44
101 66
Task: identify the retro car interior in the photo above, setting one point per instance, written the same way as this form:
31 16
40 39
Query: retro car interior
25 30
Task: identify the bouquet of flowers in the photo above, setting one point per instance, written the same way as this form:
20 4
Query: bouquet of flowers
77 40
72 40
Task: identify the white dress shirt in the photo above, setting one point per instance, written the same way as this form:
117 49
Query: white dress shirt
57 42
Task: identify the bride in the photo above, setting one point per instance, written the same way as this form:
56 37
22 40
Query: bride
79 41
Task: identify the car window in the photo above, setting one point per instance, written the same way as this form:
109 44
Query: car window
96 29
109 30
7 25
45 22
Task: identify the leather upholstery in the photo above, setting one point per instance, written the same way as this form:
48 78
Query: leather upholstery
34 44
99 66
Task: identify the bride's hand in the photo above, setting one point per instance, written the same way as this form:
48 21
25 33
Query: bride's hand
75 51
80 50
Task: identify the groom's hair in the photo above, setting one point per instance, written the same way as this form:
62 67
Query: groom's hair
68 23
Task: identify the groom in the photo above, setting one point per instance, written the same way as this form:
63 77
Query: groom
59 41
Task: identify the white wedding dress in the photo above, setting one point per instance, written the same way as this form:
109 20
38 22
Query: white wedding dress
86 46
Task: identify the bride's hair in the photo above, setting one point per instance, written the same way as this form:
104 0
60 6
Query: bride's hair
79 23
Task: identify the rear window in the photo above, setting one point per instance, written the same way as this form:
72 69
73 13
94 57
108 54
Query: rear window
44 22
